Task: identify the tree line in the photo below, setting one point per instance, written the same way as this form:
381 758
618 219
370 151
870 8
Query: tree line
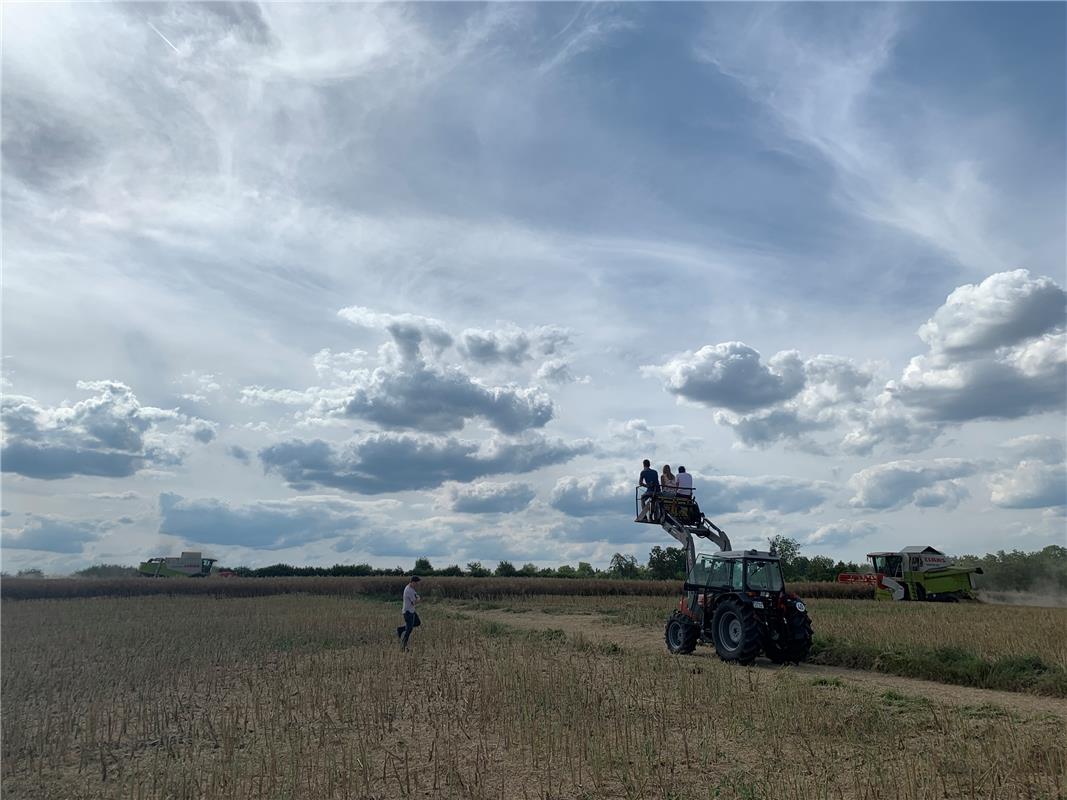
1041 571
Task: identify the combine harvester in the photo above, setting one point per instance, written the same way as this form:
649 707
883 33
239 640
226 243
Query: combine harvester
734 600
916 573
187 565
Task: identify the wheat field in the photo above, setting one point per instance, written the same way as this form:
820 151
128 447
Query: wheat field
300 696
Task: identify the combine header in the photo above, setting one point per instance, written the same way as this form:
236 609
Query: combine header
916 573
188 565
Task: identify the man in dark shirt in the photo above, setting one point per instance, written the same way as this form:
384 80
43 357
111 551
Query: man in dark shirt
650 480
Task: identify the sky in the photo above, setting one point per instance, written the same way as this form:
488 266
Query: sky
327 284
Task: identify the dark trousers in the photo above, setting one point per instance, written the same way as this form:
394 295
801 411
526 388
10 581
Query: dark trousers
411 621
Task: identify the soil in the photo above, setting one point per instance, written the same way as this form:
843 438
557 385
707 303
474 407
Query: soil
651 640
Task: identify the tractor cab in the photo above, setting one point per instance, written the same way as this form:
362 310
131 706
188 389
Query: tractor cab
736 570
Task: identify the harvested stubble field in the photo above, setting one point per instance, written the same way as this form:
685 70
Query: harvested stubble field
305 696
1011 648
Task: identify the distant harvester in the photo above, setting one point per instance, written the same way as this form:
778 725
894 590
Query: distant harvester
189 564
916 573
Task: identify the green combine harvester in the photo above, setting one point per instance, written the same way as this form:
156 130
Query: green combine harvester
187 565
916 573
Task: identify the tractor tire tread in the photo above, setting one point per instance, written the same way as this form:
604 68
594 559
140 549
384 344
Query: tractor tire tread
751 636
687 632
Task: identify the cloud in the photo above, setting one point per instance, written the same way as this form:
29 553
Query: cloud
269 525
768 427
731 375
415 397
729 493
129 495
885 422
109 435
413 389
764 403
1047 449
53 534
898 483
997 351
511 345
557 371
1005 309
843 533
408 331
833 386
200 430
592 495
828 86
484 497
238 452
388 462
1031 484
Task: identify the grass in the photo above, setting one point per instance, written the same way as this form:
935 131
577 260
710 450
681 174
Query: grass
302 696
956 665
1012 648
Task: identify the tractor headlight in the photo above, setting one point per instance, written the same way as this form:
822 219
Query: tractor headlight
801 606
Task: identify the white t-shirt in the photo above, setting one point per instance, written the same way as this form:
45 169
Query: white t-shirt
411 597
684 482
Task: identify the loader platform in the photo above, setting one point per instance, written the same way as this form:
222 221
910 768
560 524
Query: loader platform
681 517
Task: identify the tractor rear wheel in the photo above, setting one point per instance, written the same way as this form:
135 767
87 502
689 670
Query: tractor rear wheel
735 631
796 645
681 634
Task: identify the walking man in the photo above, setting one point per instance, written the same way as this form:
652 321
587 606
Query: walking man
411 618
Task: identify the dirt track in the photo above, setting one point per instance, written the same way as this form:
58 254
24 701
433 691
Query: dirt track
651 640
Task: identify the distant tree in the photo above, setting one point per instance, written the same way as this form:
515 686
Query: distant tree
476 570
277 571
797 569
786 548
566 571
1044 571
422 567
505 569
585 570
451 571
624 567
666 563
821 569
788 551
528 570
547 572
33 572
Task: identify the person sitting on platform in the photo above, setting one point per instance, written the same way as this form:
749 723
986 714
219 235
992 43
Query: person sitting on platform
667 481
684 483
650 480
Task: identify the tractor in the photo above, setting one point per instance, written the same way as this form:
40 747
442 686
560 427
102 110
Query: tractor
734 600
917 573
189 565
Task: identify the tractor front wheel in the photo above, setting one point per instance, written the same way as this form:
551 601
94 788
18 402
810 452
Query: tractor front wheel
797 644
681 634
736 632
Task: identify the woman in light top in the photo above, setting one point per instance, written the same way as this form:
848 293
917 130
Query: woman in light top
667 482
